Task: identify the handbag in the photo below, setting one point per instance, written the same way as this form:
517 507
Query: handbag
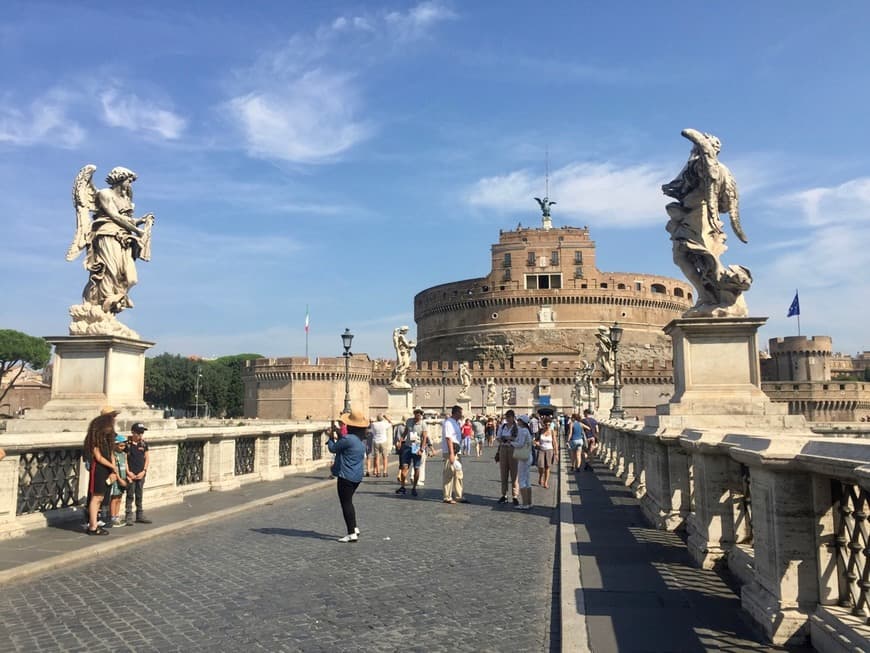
521 454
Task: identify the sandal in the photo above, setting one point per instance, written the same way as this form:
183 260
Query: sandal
451 501
99 531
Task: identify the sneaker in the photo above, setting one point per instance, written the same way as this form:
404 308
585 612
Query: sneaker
356 530
413 492
401 490
100 523
516 501
143 520
349 538
503 500
117 523
420 484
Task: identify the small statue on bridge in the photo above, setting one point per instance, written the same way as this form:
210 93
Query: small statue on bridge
464 381
404 346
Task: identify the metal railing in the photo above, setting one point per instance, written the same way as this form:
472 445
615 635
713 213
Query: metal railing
852 539
48 479
245 449
316 446
285 450
190 462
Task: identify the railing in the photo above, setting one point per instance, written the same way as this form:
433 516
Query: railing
48 480
285 450
788 512
851 505
190 463
245 450
43 479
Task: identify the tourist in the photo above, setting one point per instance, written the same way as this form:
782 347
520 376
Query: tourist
490 430
97 450
524 463
479 428
467 434
504 456
548 452
591 436
577 442
348 467
138 460
381 430
368 442
411 448
451 475
119 481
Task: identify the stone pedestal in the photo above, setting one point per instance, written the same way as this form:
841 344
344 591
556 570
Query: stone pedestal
465 402
491 409
400 402
88 373
605 400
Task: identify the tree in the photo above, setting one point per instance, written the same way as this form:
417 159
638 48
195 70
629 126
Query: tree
235 404
169 381
18 351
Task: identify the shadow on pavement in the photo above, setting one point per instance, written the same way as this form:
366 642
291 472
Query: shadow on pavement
293 532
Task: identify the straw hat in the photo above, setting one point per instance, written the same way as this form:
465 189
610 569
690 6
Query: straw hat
108 410
355 418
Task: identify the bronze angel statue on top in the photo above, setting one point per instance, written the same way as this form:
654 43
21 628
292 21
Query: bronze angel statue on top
113 239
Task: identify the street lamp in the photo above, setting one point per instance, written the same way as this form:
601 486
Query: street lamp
346 340
616 412
196 395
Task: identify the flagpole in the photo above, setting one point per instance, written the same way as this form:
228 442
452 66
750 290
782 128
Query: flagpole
306 333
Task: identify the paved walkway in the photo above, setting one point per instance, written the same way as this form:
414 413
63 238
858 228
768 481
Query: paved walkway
424 577
640 590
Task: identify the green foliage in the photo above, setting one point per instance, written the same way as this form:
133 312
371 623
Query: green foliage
17 351
170 382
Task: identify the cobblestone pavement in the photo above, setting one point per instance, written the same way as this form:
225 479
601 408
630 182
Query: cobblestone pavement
640 589
425 577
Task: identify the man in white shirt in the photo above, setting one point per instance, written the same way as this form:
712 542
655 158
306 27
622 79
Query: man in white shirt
380 441
451 439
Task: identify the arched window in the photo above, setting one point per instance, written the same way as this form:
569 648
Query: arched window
545 362
658 288
620 286
678 292
602 285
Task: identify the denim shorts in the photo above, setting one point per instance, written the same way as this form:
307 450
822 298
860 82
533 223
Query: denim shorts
406 458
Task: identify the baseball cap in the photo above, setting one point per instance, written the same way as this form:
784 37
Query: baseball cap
138 427
418 410
120 438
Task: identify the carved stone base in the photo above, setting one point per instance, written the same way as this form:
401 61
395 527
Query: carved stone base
88 373
781 624
91 320
400 402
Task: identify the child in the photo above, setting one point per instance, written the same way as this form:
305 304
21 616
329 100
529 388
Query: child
119 480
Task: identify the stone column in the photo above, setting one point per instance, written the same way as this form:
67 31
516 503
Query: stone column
222 464
785 589
267 457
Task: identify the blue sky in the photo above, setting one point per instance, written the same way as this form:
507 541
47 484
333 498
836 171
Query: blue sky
347 156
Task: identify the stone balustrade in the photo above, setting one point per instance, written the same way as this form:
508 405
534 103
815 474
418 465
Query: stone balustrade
789 515
43 479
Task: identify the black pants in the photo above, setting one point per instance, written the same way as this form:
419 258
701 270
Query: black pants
134 492
345 496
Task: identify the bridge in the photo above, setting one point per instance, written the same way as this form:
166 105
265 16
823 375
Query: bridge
670 544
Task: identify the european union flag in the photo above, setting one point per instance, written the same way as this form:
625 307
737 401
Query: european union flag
795 308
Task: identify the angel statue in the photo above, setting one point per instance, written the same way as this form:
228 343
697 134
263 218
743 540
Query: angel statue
113 239
545 205
605 352
403 347
464 381
704 189
490 391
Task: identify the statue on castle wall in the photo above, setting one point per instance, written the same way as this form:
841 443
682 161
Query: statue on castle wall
464 381
404 346
704 189
490 391
113 240
605 359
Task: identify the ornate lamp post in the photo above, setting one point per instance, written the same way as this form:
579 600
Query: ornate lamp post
615 336
196 394
346 340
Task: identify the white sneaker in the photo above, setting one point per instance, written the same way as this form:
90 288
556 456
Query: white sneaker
349 538
356 530
420 484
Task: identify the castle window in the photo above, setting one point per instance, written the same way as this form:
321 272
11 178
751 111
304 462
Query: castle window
545 362
531 258
678 292
554 258
578 257
659 288
543 281
507 275
507 259
578 273
602 285
620 286
638 285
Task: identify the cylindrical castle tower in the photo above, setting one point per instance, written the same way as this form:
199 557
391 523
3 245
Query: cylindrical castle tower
801 358
544 300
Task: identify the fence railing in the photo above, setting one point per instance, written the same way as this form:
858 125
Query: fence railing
44 479
787 512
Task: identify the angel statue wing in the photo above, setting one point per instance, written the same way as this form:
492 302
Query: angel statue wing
84 194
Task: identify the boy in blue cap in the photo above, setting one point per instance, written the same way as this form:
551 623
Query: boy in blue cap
119 480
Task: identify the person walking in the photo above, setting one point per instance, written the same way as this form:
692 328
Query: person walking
138 459
350 451
467 435
591 436
507 466
411 447
479 428
451 440
548 452
380 443
523 442
577 442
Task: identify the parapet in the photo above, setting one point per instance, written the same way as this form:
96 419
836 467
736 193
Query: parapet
815 345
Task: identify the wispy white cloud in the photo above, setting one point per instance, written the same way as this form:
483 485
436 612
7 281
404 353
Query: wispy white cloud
312 120
301 102
45 121
848 202
136 114
600 193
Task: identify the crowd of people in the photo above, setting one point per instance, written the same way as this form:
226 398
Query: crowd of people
521 442
117 466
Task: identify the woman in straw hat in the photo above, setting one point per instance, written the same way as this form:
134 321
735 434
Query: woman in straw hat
350 452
